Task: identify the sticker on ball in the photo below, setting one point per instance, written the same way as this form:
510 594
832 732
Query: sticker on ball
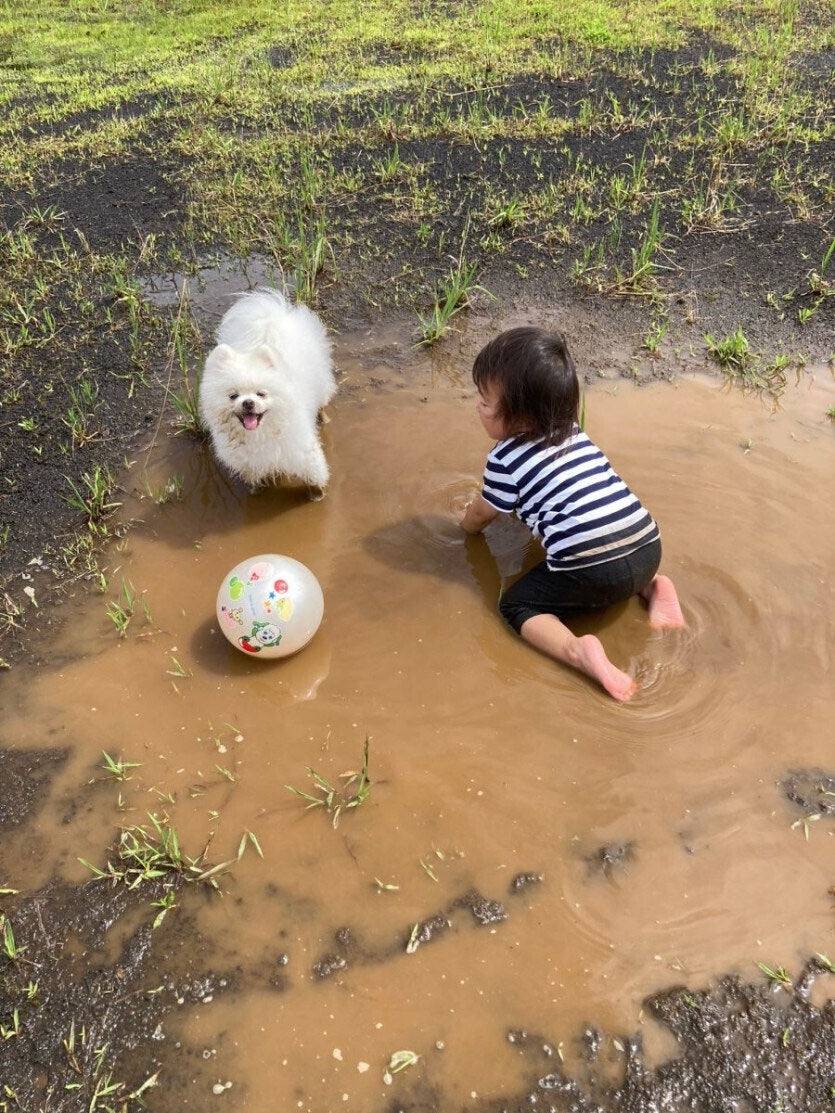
270 606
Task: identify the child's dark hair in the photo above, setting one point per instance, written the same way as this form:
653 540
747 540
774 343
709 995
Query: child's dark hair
533 369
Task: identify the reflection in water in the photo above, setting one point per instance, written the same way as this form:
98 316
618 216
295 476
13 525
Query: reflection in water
487 759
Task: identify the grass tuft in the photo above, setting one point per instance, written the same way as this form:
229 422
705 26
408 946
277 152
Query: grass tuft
336 800
452 296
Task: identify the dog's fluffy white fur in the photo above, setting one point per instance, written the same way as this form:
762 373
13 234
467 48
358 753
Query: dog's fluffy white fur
263 387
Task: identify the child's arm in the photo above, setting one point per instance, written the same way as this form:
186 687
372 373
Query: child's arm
478 515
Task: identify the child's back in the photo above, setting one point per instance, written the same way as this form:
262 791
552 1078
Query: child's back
601 545
570 497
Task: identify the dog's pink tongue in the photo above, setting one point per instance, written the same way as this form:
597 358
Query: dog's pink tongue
250 421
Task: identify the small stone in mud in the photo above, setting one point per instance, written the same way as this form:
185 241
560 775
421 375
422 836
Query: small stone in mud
524 881
484 910
591 1043
426 930
282 959
328 965
812 790
611 856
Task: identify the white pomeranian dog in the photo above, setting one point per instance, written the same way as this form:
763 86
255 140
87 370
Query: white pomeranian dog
263 388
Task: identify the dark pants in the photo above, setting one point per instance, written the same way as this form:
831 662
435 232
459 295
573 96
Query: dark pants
543 591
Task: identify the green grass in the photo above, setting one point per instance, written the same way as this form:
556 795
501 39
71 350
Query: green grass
93 497
335 801
147 854
777 975
120 611
452 296
117 768
732 353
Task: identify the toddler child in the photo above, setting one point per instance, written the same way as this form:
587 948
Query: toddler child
601 545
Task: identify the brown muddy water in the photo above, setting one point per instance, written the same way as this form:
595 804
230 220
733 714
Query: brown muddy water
666 850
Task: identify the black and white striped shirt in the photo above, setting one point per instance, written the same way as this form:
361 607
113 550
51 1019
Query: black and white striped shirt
570 497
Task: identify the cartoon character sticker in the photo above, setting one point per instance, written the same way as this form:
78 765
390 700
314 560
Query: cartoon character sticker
264 635
233 614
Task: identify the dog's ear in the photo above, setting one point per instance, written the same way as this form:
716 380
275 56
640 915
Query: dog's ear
262 357
220 357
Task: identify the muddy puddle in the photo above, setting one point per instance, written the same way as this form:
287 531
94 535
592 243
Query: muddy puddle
556 857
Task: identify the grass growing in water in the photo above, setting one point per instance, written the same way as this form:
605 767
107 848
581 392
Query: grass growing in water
335 801
120 611
118 768
146 854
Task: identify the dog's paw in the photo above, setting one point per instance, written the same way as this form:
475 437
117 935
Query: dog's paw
316 494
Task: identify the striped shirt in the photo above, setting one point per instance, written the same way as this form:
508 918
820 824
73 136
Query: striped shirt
570 497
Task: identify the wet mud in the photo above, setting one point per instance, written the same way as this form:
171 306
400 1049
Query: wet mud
25 776
611 858
466 897
740 1046
811 790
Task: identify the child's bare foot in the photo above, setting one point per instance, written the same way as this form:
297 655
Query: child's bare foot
588 655
662 601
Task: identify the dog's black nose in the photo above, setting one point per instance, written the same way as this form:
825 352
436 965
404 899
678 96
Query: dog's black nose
247 405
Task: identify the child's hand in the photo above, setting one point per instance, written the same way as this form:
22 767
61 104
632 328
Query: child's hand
478 514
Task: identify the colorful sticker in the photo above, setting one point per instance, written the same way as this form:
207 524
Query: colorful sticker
264 635
281 608
236 589
233 614
280 587
263 570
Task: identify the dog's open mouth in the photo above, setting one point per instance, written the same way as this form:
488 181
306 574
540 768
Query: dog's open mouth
250 421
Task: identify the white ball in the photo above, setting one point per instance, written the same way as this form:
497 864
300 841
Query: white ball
270 605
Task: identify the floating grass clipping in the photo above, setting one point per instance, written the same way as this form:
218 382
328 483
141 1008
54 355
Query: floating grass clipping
335 801
400 1060
146 854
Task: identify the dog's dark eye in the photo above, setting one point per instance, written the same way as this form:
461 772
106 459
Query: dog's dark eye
232 397
261 393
